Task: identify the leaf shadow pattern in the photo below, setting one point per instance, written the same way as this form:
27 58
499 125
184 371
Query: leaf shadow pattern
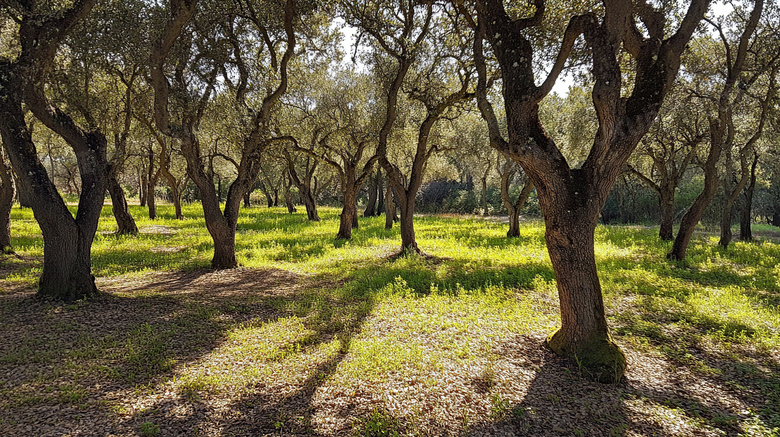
102 365
658 397
275 402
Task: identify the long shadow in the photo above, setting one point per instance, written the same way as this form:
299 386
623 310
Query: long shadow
558 401
271 405
82 356
748 374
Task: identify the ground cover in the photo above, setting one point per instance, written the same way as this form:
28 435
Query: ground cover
314 336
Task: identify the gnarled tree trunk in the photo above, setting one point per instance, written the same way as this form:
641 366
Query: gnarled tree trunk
666 203
124 221
67 241
348 214
695 212
746 217
390 214
373 193
514 207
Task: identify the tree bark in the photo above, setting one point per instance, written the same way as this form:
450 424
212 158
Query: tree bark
142 186
746 219
67 241
390 214
124 220
304 186
695 212
7 193
373 194
406 222
513 208
666 203
348 214
584 333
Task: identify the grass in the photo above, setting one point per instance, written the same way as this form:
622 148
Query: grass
308 316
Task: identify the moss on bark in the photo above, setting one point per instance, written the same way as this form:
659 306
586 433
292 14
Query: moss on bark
600 358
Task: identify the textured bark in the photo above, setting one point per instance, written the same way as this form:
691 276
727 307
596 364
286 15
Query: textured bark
666 204
348 215
373 195
695 212
584 333
7 193
23 196
124 220
390 213
572 198
220 224
406 223
67 240
746 217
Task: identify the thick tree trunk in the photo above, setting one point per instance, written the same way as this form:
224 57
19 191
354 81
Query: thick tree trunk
22 195
514 223
584 333
570 217
695 212
348 213
224 237
373 194
124 220
726 220
746 219
150 200
390 215
67 241
666 203
7 193
406 222
311 205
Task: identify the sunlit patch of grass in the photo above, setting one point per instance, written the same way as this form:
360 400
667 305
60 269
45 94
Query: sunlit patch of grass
411 332
273 352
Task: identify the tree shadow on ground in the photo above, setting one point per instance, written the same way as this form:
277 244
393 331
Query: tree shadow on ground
656 398
712 355
74 367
